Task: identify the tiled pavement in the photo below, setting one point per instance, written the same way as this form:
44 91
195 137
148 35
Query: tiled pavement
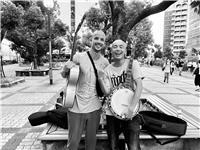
35 94
21 100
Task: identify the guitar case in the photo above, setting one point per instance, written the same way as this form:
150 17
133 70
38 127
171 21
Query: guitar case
162 124
38 118
55 116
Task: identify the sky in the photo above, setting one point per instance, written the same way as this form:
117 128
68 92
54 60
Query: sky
158 27
84 5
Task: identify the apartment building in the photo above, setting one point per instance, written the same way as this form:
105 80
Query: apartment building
167 29
181 27
193 34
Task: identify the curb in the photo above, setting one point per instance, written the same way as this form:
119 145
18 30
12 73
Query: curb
9 84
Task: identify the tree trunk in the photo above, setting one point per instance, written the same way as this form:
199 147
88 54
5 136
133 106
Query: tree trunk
121 27
35 66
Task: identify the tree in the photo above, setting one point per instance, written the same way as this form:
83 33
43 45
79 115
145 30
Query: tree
196 5
10 17
33 22
118 17
194 51
158 54
140 37
121 21
30 37
168 53
182 54
157 46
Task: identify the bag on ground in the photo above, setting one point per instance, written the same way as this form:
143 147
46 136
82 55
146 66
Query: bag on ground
58 117
38 118
162 124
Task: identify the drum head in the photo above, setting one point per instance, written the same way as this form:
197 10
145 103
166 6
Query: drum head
120 100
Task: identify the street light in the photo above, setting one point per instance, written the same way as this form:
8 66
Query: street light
49 4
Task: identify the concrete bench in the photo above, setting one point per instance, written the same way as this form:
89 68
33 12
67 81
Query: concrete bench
53 133
41 72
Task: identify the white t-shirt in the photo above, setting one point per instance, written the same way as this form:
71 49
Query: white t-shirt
86 96
117 75
167 68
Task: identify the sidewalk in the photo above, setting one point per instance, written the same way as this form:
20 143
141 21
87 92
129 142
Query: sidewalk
21 100
186 74
35 94
180 91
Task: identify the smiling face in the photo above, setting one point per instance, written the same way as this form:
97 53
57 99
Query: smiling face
118 49
98 40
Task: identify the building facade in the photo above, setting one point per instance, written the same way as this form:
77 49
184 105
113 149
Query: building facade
179 25
167 29
193 40
181 28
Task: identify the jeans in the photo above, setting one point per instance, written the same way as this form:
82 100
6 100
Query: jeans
77 122
130 129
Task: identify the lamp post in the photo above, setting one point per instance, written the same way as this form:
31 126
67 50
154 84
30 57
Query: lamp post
49 4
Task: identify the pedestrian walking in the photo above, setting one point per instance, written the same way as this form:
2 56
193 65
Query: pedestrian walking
166 69
172 67
180 66
86 110
196 72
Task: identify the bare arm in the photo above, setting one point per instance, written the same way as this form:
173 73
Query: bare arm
65 71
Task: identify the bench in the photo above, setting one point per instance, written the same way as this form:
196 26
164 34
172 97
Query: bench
53 133
33 72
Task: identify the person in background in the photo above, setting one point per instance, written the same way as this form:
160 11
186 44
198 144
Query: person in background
117 73
166 69
180 66
172 67
85 113
197 76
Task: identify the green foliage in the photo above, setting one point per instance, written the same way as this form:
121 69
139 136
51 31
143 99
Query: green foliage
10 15
140 37
196 6
182 54
194 51
24 4
59 28
58 44
134 8
95 17
167 52
157 46
30 37
33 18
158 54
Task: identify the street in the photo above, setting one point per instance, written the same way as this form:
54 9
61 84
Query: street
36 94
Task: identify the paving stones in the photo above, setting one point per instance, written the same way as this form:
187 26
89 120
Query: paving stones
16 117
4 137
35 94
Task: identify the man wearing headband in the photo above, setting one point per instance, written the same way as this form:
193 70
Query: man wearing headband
85 113
117 72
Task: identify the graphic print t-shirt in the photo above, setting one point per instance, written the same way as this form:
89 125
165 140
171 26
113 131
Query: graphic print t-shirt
117 75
